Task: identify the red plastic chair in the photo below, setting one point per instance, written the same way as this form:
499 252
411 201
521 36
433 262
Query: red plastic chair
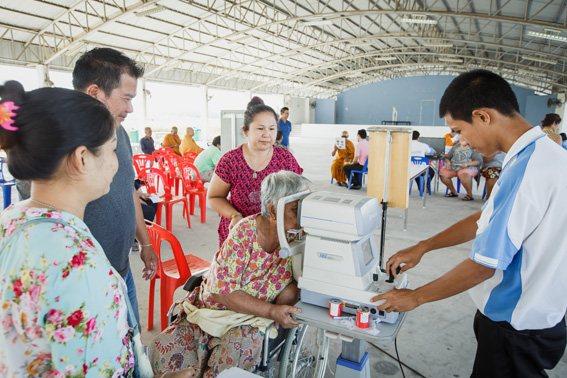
187 159
193 186
142 161
172 273
171 165
190 154
167 150
159 157
155 180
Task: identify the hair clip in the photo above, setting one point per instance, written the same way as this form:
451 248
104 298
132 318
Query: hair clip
6 114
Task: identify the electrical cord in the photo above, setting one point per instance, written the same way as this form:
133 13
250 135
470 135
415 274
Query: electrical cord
397 358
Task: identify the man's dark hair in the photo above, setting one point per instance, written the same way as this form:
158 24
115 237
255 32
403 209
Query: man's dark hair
563 137
362 133
103 67
415 135
284 109
216 141
279 135
474 90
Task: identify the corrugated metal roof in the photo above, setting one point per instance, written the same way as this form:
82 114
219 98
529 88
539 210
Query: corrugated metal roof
301 47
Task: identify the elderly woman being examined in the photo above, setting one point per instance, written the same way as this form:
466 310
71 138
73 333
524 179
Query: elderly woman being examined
247 277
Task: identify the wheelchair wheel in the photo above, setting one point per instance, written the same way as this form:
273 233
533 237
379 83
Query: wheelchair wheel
310 353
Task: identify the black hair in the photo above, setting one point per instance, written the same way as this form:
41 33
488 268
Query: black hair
279 135
415 135
362 133
255 107
284 109
550 119
216 140
474 90
103 67
563 136
52 123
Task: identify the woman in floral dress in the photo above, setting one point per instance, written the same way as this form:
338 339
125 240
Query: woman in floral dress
63 309
235 186
246 276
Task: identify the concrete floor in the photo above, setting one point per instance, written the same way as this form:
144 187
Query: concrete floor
436 339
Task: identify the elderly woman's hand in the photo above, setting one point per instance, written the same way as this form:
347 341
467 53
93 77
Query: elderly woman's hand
282 315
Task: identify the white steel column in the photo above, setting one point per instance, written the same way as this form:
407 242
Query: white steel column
43 79
204 112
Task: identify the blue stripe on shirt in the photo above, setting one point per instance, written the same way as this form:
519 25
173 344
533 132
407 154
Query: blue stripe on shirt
494 242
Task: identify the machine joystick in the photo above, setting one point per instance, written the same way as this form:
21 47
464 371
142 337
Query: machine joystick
391 276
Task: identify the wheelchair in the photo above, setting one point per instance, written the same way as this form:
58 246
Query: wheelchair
299 352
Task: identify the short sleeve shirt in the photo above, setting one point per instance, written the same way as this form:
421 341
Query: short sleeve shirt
285 127
361 151
521 235
63 307
244 192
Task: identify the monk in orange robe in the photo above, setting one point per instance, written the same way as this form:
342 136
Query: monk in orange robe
342 157
172 140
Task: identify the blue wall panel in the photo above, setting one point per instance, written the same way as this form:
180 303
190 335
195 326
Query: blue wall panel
325 111
416 99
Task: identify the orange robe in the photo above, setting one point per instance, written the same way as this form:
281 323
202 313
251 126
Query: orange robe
448 140
171 140
189 145
337 166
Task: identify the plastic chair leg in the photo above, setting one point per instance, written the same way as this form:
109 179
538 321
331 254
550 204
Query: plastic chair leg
203 206
158 212
410 186
7 190
151 305
168 217
186 210
192 204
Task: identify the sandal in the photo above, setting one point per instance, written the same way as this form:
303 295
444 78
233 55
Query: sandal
451 194
467 198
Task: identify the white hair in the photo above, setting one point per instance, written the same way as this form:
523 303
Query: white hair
281 184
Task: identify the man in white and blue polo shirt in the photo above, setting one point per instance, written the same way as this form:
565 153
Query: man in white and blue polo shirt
517 270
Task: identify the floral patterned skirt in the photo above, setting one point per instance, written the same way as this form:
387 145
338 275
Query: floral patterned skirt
183 345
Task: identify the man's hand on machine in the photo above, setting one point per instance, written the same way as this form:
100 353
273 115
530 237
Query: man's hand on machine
398 300
410 257
281 314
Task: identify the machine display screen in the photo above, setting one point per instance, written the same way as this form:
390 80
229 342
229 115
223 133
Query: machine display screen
367 252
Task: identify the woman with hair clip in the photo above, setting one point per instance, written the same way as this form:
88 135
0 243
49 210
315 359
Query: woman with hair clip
235 187
63 307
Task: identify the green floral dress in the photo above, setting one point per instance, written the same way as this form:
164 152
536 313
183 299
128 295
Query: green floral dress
240 264
63 310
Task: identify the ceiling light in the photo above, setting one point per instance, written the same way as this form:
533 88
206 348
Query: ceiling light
451 60
384 58
150 11
437 44
539 59
553 37
419 21
317 22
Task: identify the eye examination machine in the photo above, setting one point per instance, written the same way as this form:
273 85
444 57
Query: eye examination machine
340 257
340 263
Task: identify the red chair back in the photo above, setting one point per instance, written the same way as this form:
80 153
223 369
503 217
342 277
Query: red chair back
190 176
159 234
187 159
190 154
142 161
159 156
167 150
155 180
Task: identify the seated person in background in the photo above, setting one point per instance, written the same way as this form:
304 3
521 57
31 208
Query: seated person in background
206 161
549 125
563 140
491 169
421 149
247 276
147 142
189 144
148 207
172 141
450 139
463 162
279 140
342 156
360 156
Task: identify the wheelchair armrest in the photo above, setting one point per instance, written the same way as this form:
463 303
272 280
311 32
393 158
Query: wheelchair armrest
194 281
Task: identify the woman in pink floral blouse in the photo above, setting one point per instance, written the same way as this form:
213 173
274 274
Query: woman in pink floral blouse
246 276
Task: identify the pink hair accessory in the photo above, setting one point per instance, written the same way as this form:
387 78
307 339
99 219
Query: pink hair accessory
6 114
